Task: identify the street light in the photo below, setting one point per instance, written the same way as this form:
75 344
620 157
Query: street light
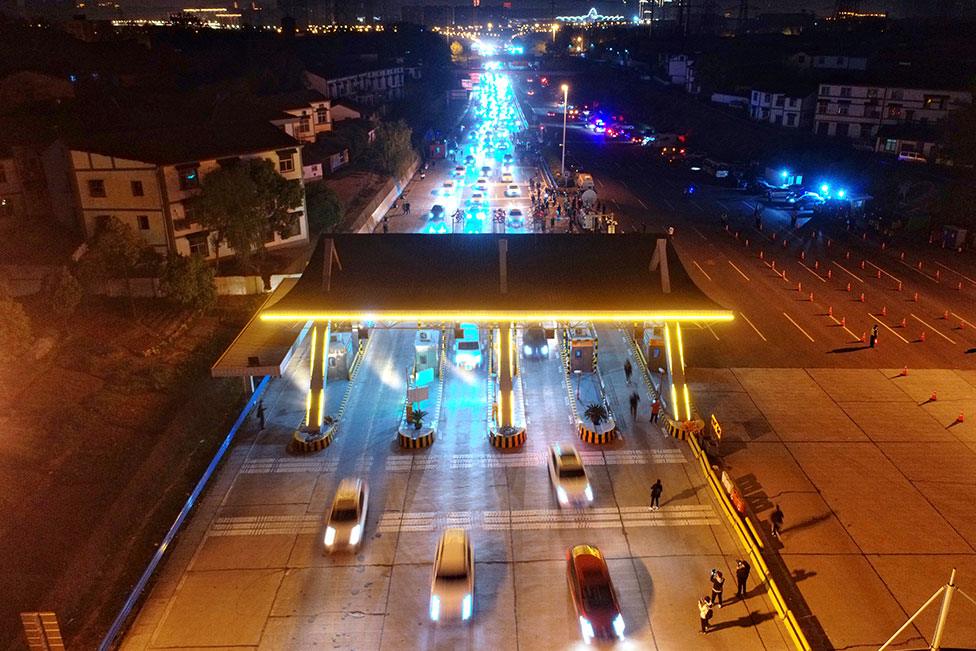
562 167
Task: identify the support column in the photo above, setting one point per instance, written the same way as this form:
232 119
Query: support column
315 401
674 387
506 371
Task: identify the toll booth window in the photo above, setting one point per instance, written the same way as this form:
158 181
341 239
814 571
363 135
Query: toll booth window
578 353
332 362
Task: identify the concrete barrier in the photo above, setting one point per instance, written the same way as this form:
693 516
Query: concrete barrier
304 442
413 440
597 436
506 441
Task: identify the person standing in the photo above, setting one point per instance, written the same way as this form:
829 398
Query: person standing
718 584
634 401
655 410
705 613
742 569
874 335
656 489
260 413
628 370
777 520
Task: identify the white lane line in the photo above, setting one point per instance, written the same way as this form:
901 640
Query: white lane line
956 272
699 233
739 270
643 205
887 327
695 204
844 269
963 320
761 335
845 328
668 204
819 277
882 270
929 325
701 270
798 327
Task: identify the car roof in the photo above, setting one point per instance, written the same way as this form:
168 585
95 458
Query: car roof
454 542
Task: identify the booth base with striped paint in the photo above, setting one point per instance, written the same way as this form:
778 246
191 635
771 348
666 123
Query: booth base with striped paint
304 442
512 438
414 439
682 429
606 434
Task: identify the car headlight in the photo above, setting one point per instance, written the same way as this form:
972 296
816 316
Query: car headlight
561 494
435 608
545 350
357 532
618 625
586 628
329 536
527 349
588 491
466 606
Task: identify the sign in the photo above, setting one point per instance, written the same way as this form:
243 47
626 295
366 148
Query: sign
716 428
417 394
738 502
42 631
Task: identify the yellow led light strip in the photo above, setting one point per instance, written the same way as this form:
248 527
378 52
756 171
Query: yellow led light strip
487 317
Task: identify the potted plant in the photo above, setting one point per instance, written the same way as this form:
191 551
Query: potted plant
417 418
595 413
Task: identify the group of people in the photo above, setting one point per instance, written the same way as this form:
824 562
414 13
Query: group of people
635 397
708 603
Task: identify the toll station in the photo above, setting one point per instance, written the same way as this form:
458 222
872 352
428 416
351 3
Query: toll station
451 286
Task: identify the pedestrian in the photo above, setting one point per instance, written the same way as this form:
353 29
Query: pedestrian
634 401
656 489
655 410
874 335
742 569
552 223
260 413
793 217
628 370
386 225
718 584
705 613
777 520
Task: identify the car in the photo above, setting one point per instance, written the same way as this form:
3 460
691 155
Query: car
507 177
467 346
460 170
507 158
530 92
346 521
780 194
436 212
515 218
448 188
550 114
912 157
806 202
469 159
481 184
593 594
513 190
477 198
568 476
452 579
486 170
534 342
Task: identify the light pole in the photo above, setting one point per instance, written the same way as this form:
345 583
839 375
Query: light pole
562 167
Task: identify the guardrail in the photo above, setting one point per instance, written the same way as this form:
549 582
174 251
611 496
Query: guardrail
122 618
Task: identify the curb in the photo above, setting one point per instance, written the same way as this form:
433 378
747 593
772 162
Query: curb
410 442
683 430
305 442
596 438
506 441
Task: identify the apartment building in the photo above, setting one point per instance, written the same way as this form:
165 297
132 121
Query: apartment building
858 111
786 107
365 83
144 179
303 115
681 72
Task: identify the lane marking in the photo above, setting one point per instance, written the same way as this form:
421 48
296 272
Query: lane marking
705 273
742 314
962 319
798 326
956 272
881 270
709 328
819 277
845 328
873 318
739 270
931 326
644 205
854 276
699 233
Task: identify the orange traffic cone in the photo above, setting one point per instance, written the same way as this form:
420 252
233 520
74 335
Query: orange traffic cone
902 324
904 372
933 397
862 297
921 337
961 418
811 297
884 310
830 274
864 337
848 287
830 311
843 322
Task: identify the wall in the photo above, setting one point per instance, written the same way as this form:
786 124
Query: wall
369 217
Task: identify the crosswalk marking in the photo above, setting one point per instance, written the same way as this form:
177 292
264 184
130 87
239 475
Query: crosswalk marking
514 520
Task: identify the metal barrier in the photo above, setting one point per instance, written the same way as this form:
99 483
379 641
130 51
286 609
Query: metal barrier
120 620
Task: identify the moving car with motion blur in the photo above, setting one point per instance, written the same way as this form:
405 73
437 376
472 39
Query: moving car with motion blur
452 579
459 171
593 594
512 190
515 218
534 342
436 212
568 476
347 518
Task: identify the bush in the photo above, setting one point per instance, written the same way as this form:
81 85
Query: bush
189 282
62 293
324 209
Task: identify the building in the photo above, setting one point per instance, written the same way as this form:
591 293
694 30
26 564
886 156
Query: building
681 72
303 115
144 179
916 138
365 83
859 111
782 105
829 61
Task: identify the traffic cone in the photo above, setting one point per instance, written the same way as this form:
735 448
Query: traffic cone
877 274
921 337
919 265
902 257
816 265
843 322
803 255
773 265
899 285
962 325
828 243
915 297
747 241
884 310
786 243
864 236
933 397
862 264
959 286
904 372
902 324
830 311
961 418
762 254
945 315
774 236
864 338
862 297
847 256
848 287
884 245
938 274
799 287
829 274
811 297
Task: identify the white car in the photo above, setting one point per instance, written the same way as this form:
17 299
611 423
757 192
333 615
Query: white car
452 581
347 518
481 184
447 188
568 476
477 198
512 191
507 177
515 218
459 171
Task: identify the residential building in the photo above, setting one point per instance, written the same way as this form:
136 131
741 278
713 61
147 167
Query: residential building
918 138
303 115
681 72
858 111
145 178
828 61
371 84
787 107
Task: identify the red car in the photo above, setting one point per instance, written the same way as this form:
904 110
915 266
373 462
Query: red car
593 594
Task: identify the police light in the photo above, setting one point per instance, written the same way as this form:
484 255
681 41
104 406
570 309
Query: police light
841 193
784 173
825 189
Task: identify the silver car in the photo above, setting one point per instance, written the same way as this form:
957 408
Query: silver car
346 523
452 581
568 476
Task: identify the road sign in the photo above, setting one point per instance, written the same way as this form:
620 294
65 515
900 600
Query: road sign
417 394
42 631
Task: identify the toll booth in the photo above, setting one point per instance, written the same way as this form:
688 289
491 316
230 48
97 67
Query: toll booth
343 345
651 338
426 356
582 345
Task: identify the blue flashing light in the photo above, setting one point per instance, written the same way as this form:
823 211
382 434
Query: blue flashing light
825 189
841 193
784 173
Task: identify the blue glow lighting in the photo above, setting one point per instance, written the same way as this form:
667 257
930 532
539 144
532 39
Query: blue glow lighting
825 189
784 173
841 193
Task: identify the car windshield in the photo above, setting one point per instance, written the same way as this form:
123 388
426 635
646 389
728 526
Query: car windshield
344 512
468 345
596 592
453 574
571 471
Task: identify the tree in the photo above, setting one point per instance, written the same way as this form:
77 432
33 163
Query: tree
456 51
392 151
63 293
15 329
417 418
596 413
243 203
189 282
115 251
960 135
323 206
